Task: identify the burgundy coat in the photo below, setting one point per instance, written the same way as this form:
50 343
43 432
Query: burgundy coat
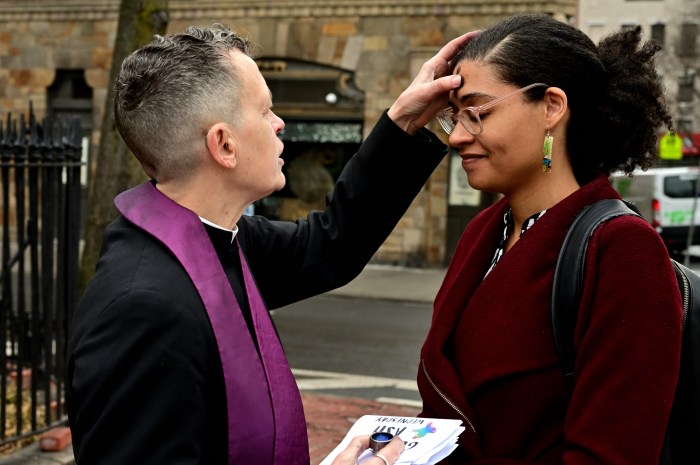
489 357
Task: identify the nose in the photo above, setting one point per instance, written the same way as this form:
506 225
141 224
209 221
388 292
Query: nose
277 123
460 136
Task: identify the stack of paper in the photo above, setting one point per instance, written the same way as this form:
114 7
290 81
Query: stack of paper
427 440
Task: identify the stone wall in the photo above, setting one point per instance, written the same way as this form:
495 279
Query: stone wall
383 41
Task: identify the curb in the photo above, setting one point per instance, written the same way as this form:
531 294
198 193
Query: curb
387 282
33 455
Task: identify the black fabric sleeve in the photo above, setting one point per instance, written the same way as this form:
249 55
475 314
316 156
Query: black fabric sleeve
295 260
140 372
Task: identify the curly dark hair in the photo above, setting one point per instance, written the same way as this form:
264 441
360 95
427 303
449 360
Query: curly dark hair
614 93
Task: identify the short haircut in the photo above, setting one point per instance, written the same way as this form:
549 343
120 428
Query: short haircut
168 91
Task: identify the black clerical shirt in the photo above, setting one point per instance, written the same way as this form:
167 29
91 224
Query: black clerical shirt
227 251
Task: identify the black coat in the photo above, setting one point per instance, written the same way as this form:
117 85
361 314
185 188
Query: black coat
144 381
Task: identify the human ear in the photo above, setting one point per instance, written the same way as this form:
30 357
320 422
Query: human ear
556 105
221 145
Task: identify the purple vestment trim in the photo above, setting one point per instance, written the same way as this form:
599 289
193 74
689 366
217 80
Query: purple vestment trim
262 429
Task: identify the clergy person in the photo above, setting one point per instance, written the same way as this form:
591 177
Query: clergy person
172 355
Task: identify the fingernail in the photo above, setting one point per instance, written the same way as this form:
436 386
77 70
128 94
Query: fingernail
457 80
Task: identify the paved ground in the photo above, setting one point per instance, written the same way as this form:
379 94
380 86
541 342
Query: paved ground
394 283
328 417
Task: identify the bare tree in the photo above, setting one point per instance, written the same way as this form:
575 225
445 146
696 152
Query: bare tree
113 168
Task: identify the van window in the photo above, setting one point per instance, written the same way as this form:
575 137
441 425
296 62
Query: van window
680 186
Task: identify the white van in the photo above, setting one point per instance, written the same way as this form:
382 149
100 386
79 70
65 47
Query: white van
664 196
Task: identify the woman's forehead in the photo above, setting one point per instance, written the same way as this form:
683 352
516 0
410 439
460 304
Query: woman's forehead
478 79
475 71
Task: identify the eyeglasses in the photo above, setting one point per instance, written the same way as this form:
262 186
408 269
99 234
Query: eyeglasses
469 116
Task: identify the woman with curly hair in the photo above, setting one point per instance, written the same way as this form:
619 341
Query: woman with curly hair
543 116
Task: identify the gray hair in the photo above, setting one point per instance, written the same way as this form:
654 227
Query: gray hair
168 91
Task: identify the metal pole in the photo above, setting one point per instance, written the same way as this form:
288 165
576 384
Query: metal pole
48 207
6 307
59 324
73 213
32 237
20 152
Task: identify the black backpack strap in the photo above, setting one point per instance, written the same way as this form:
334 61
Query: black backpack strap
682 444
569 274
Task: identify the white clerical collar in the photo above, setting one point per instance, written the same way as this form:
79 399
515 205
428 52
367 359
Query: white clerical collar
214 225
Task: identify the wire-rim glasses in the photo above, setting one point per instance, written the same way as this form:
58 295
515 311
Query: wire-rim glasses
469 116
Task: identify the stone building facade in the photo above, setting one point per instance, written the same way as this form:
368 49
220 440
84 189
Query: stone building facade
674 24
365 52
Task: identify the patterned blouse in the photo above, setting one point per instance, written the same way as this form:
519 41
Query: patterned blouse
508 221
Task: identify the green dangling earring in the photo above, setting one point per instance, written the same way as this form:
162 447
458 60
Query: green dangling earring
547 153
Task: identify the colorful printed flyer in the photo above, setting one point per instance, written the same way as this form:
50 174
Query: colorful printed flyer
427 440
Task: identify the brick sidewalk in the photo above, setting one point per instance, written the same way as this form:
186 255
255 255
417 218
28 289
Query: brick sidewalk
328 419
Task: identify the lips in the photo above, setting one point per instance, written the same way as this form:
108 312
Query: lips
470 160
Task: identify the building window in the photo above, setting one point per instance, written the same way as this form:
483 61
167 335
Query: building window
658 33
628 26
686 84
71 95
688 39
685 125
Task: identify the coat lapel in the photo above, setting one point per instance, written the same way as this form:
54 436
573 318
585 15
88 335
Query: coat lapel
467 300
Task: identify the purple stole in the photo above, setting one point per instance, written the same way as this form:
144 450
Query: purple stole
262 429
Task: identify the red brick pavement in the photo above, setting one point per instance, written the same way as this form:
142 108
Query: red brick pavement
328 419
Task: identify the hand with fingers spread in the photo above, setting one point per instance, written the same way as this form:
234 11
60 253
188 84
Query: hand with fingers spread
387 456
428 92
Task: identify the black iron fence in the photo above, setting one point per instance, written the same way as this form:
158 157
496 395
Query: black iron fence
40 176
